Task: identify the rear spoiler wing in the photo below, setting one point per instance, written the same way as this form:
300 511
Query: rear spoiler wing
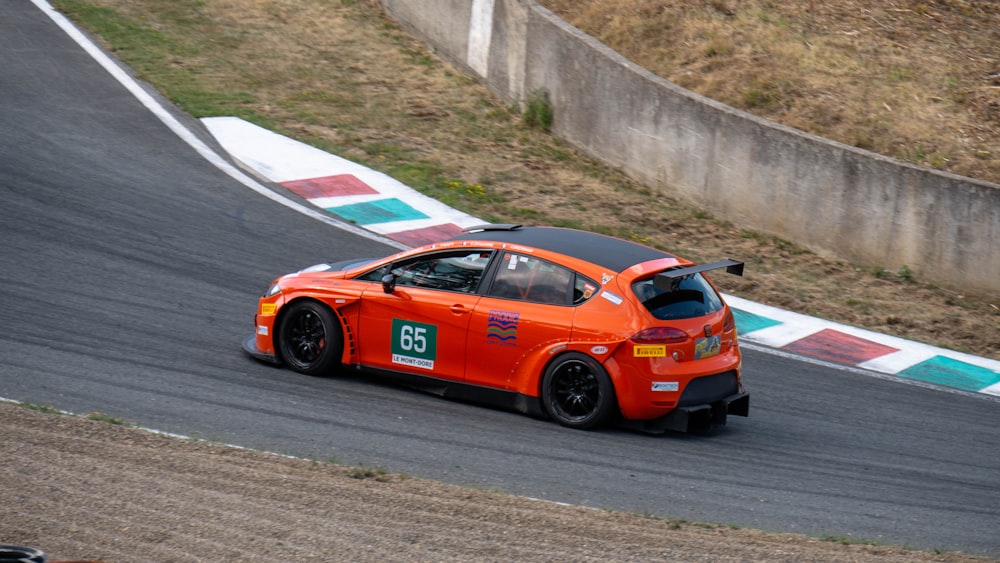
667 281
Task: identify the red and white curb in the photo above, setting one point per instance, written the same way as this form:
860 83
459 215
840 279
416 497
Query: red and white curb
355 193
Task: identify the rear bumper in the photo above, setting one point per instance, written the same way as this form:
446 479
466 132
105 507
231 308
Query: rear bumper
700 418
250 347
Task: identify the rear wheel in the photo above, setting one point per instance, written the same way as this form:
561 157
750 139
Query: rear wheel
310 338
577 391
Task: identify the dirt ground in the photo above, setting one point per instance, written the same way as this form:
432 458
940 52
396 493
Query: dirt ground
85 489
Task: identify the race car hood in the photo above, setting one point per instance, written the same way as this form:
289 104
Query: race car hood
337 266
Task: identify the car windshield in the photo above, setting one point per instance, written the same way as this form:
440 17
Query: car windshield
692 296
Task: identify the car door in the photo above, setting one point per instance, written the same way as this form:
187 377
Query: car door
420 326
527 307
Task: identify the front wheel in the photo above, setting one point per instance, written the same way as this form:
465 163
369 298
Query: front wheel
577 392
310 338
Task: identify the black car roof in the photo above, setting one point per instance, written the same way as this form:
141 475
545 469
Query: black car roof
608 252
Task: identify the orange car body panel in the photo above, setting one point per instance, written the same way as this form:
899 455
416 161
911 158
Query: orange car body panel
506 344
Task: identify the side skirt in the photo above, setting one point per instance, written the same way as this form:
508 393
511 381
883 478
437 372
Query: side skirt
456 390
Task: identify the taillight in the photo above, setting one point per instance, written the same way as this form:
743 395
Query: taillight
730 323
659 335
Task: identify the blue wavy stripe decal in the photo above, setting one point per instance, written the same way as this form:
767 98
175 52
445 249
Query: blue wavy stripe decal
502 326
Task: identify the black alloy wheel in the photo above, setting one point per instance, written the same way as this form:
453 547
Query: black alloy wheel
577 392
310 338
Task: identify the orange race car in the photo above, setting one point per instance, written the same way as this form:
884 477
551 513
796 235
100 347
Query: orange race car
582 327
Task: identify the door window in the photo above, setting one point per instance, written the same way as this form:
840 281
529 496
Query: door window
527 278
450 271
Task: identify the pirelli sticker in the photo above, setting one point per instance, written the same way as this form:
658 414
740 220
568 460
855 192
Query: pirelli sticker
649 351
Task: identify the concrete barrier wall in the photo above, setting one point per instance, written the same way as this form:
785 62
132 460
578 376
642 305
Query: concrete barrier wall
829 197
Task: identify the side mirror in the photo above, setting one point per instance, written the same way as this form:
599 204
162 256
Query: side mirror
388 283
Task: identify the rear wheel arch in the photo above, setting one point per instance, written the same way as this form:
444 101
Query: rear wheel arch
576 391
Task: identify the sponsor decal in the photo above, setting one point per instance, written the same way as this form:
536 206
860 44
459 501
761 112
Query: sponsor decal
605 278
588 290
414 344
599 350
262 330
501 327
649 351
707 347
268 308
665 386
611 297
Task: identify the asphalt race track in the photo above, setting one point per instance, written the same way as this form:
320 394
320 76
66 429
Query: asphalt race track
130 268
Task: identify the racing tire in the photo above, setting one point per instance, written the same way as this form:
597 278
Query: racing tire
577 392
310 338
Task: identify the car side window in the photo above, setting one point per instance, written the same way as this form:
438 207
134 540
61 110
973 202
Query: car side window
583 289
450 271
527 278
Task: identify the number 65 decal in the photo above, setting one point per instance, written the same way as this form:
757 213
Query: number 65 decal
414 344
413 338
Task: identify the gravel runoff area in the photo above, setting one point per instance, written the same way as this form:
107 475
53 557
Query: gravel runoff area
78 488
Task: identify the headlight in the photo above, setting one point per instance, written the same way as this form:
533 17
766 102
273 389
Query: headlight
273 290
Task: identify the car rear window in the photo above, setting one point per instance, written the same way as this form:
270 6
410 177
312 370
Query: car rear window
691 297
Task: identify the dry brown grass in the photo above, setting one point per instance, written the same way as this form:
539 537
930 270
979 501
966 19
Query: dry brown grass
342 76
918 80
